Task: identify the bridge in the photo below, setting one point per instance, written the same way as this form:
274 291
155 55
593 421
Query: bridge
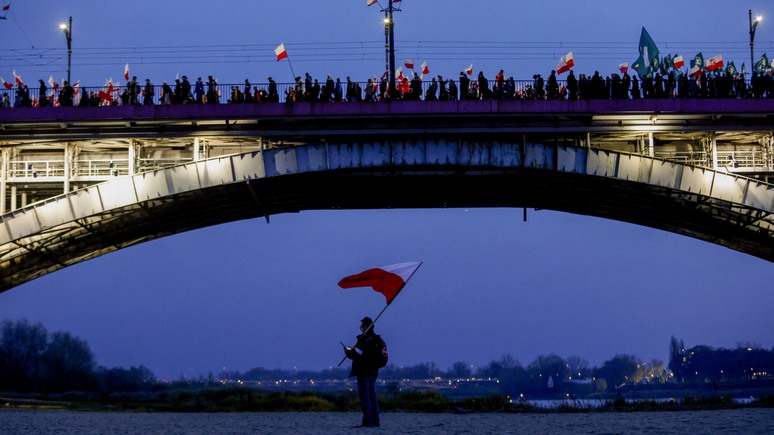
80 182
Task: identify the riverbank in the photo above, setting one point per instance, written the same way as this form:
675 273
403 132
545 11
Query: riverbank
251 400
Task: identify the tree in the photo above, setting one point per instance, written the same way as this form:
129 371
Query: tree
619 370
577 366
21 349
459 370
677 359
546 366
68 364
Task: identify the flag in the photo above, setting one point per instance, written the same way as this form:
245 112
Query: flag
281 52
469 70
385 75
387 280
76 87
409 63
370 2
697 65
744 70
623 67
6 84
54 85
714 62
17 79
648 50
126 72
425 68
732 68
565 63
666 63
6 6
762 65
399 73
678 62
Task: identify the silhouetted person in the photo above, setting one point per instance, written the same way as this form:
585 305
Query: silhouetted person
365 366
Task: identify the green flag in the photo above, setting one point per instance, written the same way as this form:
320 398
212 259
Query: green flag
731 69
666 63
649 51
697 65
762 65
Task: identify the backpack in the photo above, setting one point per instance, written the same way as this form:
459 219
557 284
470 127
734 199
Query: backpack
380 356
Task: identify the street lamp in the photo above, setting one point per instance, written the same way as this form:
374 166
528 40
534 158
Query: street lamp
68 31
753 26
389 36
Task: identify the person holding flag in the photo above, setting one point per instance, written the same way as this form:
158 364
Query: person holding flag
370 352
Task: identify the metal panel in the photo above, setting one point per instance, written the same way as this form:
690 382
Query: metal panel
312 158
505 155
23 223
347 155
632 168
601 163
285 162
54 213
215 172
539 156
409 153
665 174
249 166
571 159
183 178
442 152
152 185
696 180
728 187
376 154
474 154
85 202
760 196
117 193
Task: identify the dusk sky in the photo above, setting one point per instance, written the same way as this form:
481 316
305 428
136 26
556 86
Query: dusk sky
251 294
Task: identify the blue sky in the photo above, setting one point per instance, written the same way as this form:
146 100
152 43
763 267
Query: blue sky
250 294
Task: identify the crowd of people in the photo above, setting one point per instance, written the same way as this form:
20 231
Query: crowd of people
672 84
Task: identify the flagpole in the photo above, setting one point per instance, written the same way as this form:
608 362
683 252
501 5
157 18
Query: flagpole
384 309
291 69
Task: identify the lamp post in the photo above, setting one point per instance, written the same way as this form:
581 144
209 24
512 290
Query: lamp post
389 43
753 26
68 31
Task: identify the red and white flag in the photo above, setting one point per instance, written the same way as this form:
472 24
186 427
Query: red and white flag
281 52
695 71
425 68
714 63
565 63
17 78
6 84
469 70
6 6
126 72
409 63
76 87
54 85
387 280
385 75
623 67
678 62
370 2
399 73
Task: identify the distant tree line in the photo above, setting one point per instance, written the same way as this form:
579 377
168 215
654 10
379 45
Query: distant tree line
32 359
704 363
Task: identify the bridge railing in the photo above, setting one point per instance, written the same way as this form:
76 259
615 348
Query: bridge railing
103 95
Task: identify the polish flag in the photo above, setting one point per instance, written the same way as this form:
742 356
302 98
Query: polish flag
469 70
54 85
387 280
370 2
678 62
565 63
281 52
76 87
126 72
425 68
399 73
385 75
714 63
623 67
409 63
695 71
17 79
6 84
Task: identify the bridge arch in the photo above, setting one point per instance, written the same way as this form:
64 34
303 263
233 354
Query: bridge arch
715 206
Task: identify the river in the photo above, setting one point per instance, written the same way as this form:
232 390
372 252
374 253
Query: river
39 422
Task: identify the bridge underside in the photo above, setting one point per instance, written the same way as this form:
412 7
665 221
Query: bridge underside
430 187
